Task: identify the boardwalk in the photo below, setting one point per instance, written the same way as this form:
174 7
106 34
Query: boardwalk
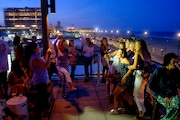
89 102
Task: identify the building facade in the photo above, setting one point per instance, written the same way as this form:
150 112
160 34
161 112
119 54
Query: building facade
22 19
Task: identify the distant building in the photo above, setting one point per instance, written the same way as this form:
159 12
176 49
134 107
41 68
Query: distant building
86 31
22 19
58 26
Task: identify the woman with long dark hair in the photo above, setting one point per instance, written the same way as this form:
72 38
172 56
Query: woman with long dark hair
72 58
104 51
39 76
17 78
142 58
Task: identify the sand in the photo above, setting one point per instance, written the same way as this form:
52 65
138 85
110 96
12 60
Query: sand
155 45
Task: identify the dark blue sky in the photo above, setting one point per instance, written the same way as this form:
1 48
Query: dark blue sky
134 15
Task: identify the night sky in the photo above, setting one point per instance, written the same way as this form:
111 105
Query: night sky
134 15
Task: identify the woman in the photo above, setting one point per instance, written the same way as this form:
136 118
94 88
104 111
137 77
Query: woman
39 76
73 58
129 45
19 51
63 64
141 57
104 51
17 78
165 86
121 69
88 52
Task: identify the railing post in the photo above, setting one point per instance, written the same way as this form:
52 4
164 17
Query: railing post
91 74
98 77
45 34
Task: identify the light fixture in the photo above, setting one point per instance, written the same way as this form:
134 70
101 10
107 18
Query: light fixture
52 6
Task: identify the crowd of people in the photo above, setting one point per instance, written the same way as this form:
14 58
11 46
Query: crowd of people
127 73
32 71
131 76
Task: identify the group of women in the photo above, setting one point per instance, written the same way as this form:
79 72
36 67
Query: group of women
132 55
134 73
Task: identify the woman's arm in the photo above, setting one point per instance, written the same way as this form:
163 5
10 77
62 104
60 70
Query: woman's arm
73 51
123 80
154 81
59 35
178 93
39 63
58 51
26 76
132 67
113 53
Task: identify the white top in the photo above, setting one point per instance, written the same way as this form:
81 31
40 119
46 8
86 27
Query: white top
4 50
88 51
115 61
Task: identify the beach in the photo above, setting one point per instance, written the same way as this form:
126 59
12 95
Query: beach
155 45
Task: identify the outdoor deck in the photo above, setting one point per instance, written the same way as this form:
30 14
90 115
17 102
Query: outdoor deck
89 102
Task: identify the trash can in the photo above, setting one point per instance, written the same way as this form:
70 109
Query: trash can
19 106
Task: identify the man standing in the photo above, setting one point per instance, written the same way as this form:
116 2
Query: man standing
4 50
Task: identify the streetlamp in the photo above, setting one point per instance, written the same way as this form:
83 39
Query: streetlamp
178 43
96 29
128 32
117 31
145 33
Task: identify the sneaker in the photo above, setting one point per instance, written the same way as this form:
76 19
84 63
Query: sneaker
74 89
113 112
64 95
121 110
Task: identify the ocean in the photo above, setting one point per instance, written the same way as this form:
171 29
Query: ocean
161 35
168 41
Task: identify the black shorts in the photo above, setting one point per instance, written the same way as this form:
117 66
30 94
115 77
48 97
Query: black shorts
3 76
52 68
